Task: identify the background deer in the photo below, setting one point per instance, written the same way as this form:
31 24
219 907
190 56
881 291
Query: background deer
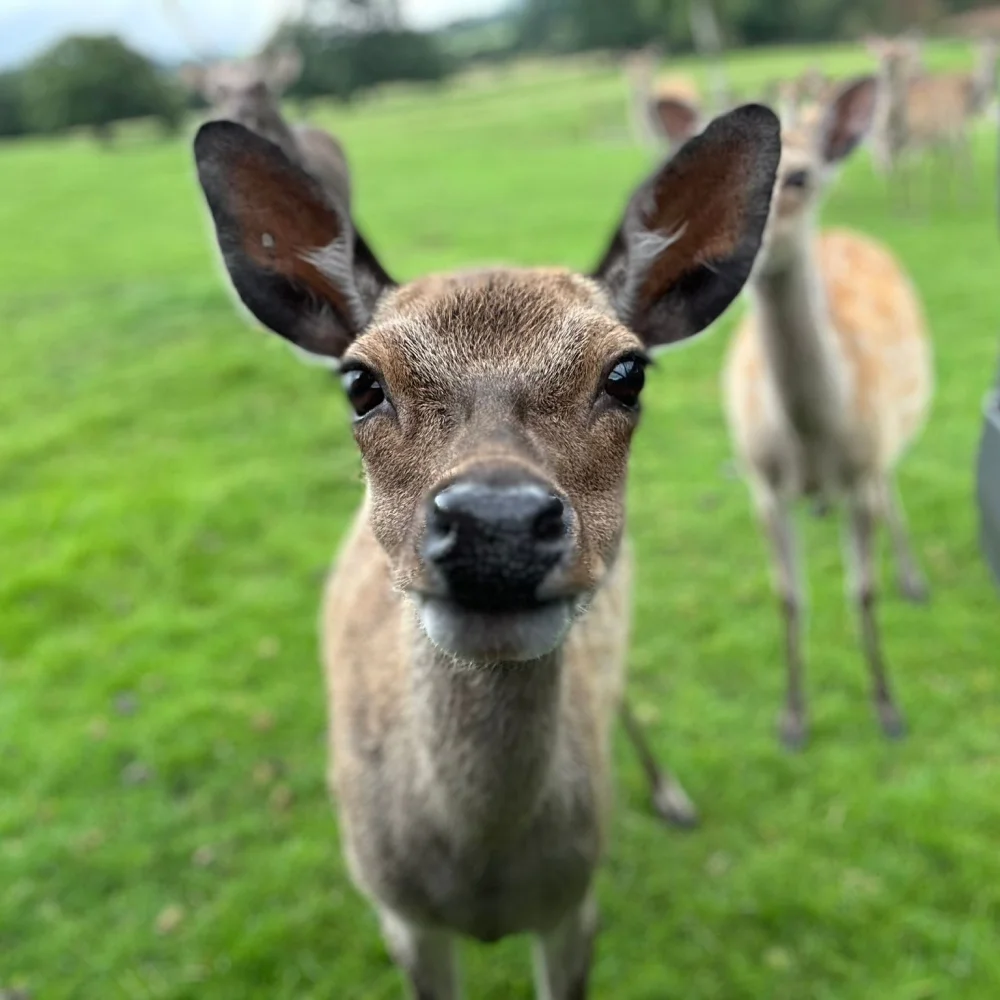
919 111
664 108
475 626
827 381
248 91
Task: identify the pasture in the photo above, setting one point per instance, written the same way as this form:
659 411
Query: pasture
174 484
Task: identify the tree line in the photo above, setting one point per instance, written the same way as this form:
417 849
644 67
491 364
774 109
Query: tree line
349 46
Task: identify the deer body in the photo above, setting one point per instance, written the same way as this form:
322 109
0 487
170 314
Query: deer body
452 779
827 381
475 625
830 374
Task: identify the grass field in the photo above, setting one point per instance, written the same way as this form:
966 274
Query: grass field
172 486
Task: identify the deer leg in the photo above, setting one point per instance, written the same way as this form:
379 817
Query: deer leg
912 584
426 957
776 516
564 955
670 800
861 538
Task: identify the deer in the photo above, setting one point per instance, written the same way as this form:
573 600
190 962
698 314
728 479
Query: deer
663 109
828 379
248 92
475 623
920 111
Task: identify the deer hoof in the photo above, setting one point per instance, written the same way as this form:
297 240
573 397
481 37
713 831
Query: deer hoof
891 720
673 805
793 731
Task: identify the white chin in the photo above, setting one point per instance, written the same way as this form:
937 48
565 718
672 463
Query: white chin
491 638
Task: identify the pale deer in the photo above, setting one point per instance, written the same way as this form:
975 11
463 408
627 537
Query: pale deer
828 379
248 92
475 624
919 111
663 109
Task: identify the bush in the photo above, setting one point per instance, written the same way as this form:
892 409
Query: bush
12 117
96 81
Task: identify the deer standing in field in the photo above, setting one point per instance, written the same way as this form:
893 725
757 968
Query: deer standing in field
919 112
829 378
248 92
475 624
665 108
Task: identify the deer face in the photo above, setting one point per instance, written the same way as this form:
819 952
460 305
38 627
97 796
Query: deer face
494 409
494 415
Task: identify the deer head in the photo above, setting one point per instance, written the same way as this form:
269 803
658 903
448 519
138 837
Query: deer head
812 148
246 91
494 409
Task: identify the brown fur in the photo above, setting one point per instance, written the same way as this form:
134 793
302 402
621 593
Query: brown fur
827 381
474 788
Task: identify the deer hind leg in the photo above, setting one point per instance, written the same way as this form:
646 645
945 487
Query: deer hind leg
912 584
776 517
862 524
426 957
564 955
670 800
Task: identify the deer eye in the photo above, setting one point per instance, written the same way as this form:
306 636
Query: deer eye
363 390
626 379
797 179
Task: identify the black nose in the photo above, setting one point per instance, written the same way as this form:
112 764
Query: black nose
494 544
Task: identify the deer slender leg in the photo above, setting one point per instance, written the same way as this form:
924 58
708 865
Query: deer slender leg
670 800
563 956
776 517
912 584
426 957
861 548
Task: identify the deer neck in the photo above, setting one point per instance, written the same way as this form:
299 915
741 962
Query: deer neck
486 737
801 348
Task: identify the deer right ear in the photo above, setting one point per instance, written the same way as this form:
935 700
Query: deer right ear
691 233
294 257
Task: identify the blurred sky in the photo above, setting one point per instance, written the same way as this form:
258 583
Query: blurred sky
233 27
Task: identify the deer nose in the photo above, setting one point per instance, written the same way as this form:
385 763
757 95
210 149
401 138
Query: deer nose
494 544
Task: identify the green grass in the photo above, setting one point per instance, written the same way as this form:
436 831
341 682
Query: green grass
172 486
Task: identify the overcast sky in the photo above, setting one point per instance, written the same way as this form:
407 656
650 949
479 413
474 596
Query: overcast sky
232 26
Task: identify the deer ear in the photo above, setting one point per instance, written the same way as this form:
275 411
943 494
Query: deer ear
691 232
678 119
294 258
848 119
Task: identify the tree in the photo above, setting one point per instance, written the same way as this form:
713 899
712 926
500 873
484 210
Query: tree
12 117
96 81
340 62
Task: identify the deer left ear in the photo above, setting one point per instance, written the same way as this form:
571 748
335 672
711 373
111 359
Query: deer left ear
295 258
691 232
848 119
